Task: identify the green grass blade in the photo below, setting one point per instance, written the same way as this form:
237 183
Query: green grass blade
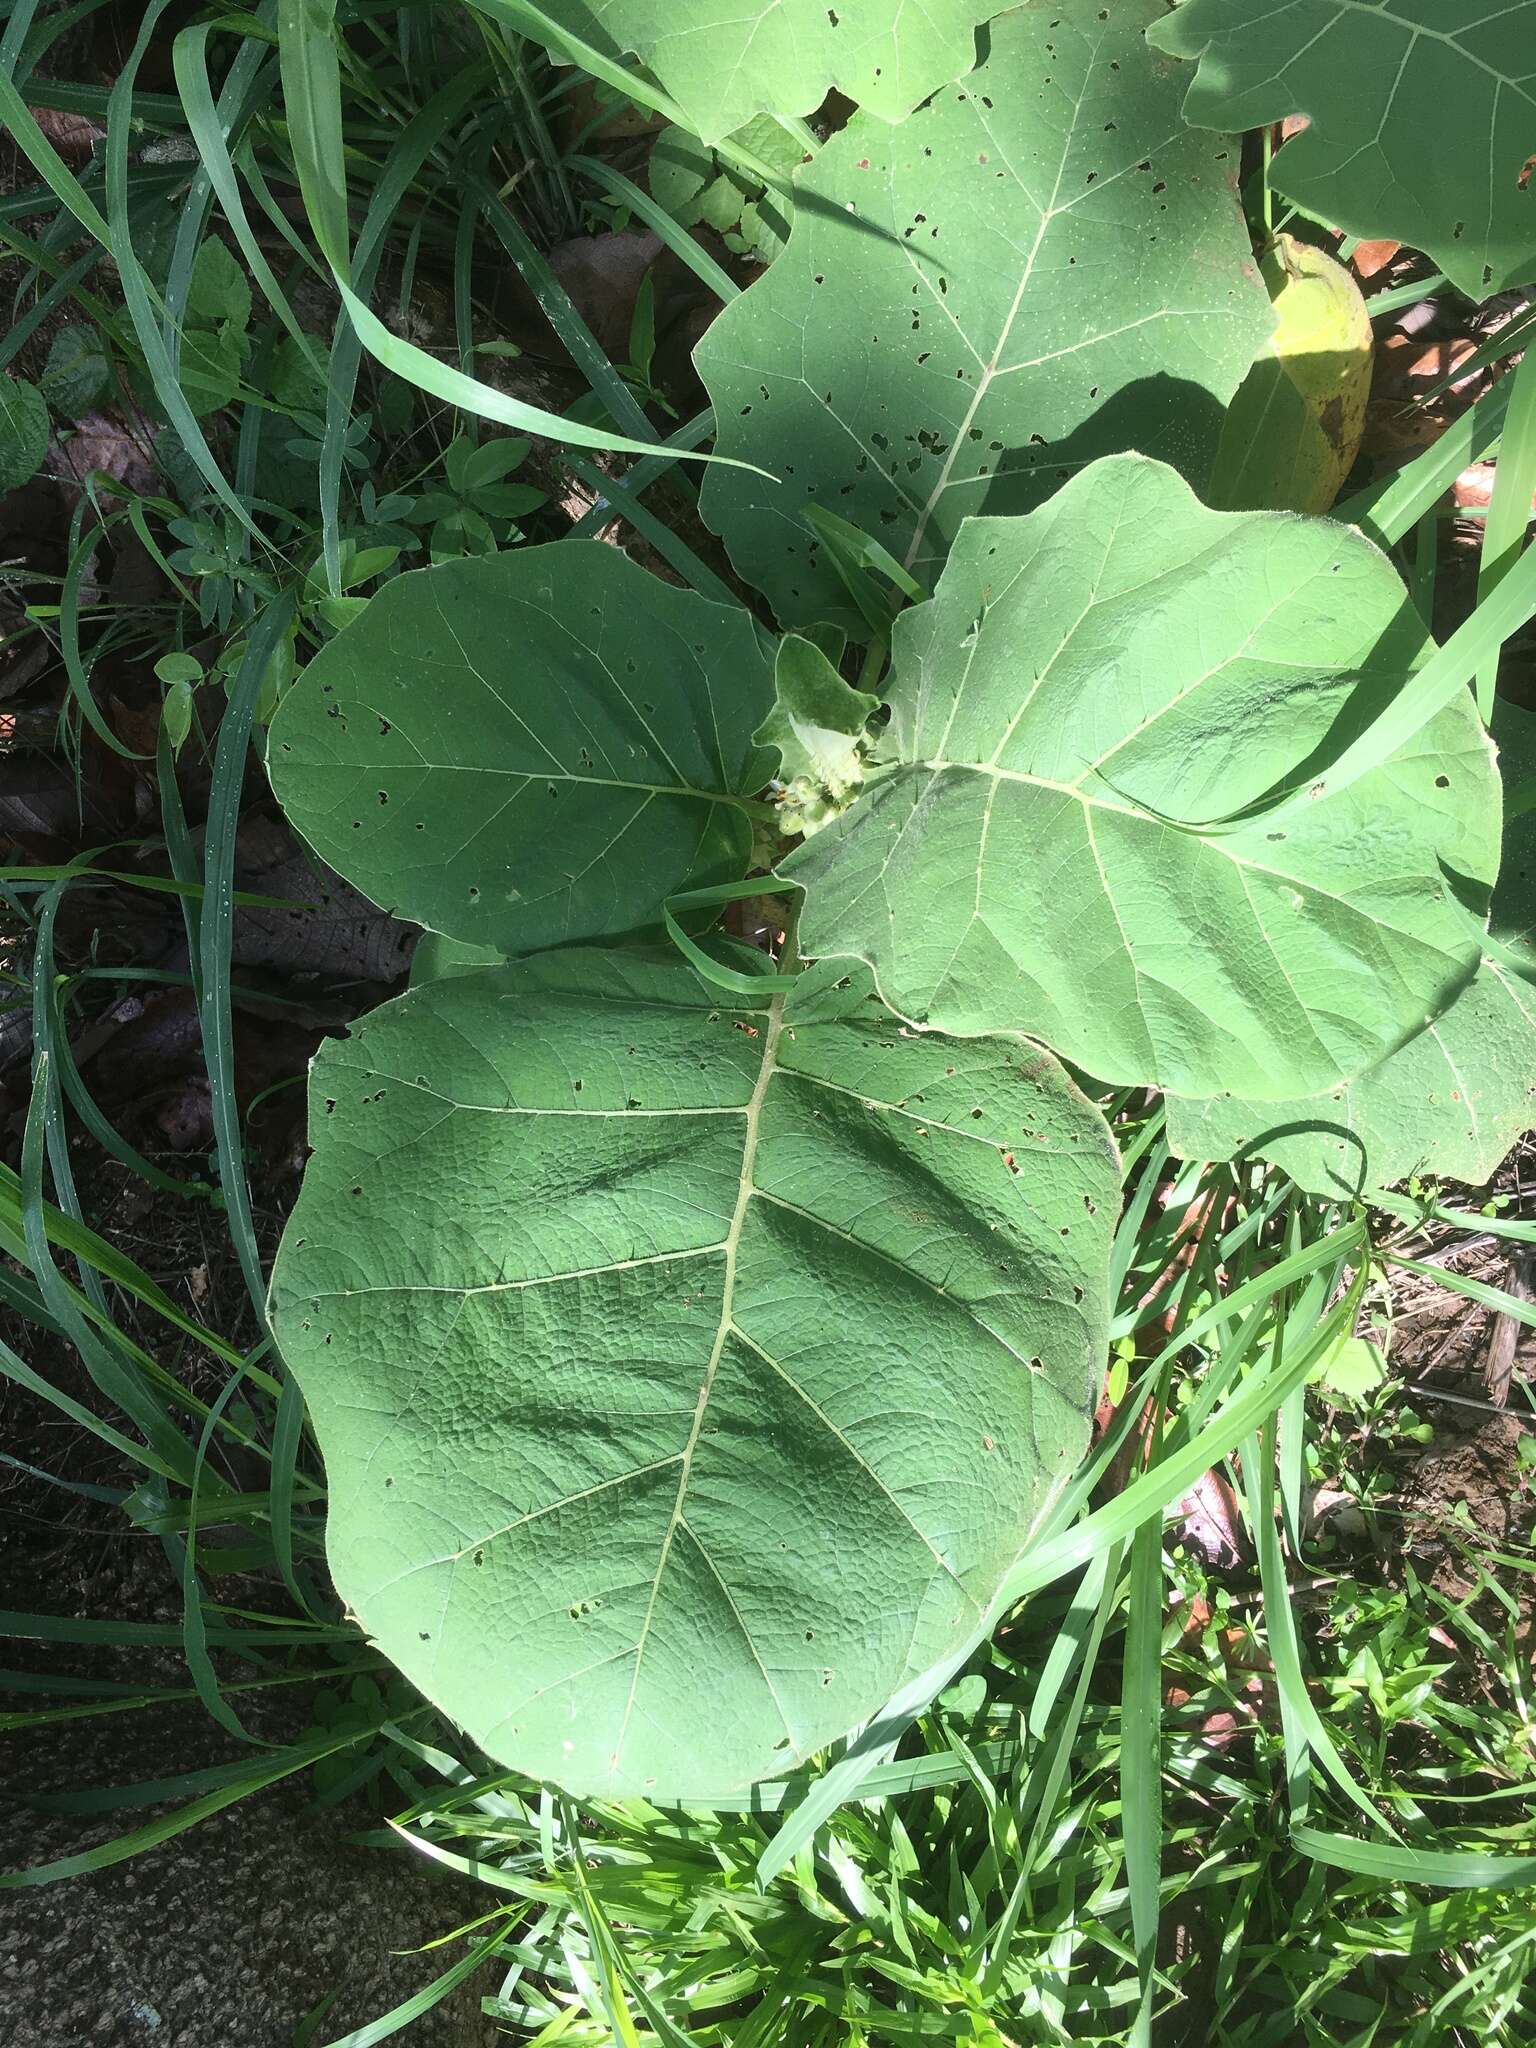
1048 1776
562 43
14 1368
81 1242
19 123
441 380
71 1628
1305 1730
672 550
194 1626
180 853
641 475
1386 510
136 291
421 135
1141 1800
82 546
216 934
1469 650
1067 1642
1392 1863
169 1825
189 59
118 1378
423 2001
1509 510
1179 1468
311 74
558 309
1498 1299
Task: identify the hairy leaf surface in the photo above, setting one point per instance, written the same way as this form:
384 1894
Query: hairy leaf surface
1041 266
529 747
1422 117
723 62
1088 683
1452 1101
686 1377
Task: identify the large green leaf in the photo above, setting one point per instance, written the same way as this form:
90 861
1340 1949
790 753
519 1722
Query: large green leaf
722 63
530 747
1088 683
1451 1102
1422 116
1041 266
685 1377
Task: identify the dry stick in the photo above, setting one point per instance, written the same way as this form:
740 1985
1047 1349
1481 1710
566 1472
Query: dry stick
1505 1333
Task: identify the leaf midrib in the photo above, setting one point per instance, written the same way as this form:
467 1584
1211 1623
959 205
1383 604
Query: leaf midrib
367 770
730 1245
747 1190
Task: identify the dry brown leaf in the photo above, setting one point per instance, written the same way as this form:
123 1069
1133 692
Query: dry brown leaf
72 135
1370 257
602 275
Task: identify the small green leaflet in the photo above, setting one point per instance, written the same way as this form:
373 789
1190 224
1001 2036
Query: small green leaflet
1422 117
23 431
78 373
722 63
214 336
696 187
818 723
1091 682
1041 266
569 1291
530 747
1351 1372
218 293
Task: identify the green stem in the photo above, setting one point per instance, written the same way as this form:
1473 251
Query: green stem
874 664
789 953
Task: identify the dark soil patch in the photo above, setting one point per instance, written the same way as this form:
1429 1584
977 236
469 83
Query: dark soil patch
1467 1368
230 1935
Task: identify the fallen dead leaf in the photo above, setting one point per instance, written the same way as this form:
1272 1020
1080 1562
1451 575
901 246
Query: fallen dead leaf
602 276
1370 257
1210 1521
1474 487
72 135
104 444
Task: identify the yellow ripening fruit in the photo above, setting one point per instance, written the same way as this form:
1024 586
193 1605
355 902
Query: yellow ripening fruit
1293 431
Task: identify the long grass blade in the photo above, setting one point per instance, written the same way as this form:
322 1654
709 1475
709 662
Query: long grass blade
1509 510
1141 1801
216 933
